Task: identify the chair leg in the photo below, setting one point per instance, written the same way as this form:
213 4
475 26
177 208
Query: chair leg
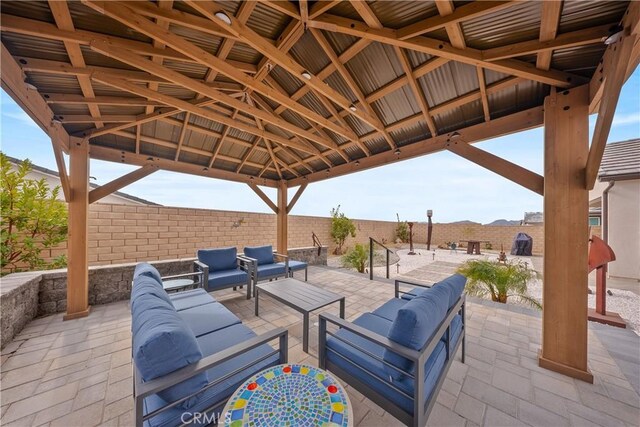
305 274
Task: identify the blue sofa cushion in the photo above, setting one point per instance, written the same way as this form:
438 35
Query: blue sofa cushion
389 310
163 343
146 269
415 323
147 285
455 284
412 293
213 343
219 259
220 279
266 270
263 254
191 298
296 265
208 318
357 363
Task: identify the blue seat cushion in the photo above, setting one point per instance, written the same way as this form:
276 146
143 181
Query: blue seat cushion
296 265
389 310
263 254
267 270
456 285
143 285
213 343
414 325
220 279
191 298
208 318
219 259
412 293
455 329
357 363
146 269
164 343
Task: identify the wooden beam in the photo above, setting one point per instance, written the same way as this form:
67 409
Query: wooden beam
72 99
118 183
183 133
128 17
62 16
86 118
162 4
502 167
417 90
264 197
296 196
138 134
439 48
304 12
615 78
284 6
583 37
77 241
454 30
62 171
282 219
483 94
504 125
549 23
30 100
566 207
321 7
464 13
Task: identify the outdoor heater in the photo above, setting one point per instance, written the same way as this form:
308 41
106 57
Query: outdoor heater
429 229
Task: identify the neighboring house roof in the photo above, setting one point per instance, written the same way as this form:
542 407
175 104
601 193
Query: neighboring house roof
55 174
621 160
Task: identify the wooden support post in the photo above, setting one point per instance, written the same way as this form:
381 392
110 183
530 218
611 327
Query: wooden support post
78 262
566 228
282 218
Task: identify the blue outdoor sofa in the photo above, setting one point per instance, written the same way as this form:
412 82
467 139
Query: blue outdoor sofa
223 268
399 355
264 265
190 353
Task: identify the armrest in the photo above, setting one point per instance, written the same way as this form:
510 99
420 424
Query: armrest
247 264
283 257
204 269
144 389
177 276
405 282
381 340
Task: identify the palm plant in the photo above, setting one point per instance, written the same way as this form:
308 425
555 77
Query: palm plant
498 280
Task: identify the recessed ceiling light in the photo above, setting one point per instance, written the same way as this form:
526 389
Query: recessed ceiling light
223 17
306 75
328 170
29 86
55 120
616 32
455 136
357 163
353 108
397 152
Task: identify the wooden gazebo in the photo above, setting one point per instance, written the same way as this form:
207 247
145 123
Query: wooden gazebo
284 93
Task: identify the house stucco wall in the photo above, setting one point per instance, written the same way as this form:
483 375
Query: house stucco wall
624 228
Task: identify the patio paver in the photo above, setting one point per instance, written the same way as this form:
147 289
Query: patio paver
78 373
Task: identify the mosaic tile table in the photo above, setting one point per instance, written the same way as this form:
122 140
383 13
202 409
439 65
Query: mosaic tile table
289 395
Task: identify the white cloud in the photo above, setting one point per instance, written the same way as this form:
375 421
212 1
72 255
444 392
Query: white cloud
21 116
626 119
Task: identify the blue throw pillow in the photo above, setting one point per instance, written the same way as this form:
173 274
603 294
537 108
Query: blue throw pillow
456 285
147 285
163 343
264 254
145 269
220 259
414 325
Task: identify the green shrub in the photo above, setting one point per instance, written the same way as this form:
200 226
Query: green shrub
357 258
32 219
402 230
341 228
498 280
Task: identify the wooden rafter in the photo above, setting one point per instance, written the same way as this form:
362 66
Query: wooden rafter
549 22
483 94
138 135
264 197
321 7
162 4
62 171
118 183
296 196
183 133
62 16
285 7
72 99
452 26
443 49
417 91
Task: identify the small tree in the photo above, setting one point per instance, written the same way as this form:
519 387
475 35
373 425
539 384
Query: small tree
32 220
357 258
341 228
402 230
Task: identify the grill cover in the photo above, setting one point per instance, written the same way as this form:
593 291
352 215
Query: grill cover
522 245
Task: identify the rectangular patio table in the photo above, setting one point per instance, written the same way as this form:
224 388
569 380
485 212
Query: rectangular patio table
300 296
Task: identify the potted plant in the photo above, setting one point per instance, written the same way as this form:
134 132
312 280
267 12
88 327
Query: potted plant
498 280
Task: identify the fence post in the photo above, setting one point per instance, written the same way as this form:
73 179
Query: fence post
387 263
370 258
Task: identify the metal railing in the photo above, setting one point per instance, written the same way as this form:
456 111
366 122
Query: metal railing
371 253
316 242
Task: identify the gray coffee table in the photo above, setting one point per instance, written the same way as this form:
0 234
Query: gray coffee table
300 296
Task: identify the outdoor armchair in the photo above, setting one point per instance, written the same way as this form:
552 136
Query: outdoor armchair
266 263
222 268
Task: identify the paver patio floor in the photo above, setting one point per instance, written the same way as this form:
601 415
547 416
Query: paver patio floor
78 373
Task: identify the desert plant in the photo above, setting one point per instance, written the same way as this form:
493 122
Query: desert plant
488 246
357 258
498 280
32 219
341 228
402 230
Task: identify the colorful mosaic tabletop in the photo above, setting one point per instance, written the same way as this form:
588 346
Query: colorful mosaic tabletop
289 395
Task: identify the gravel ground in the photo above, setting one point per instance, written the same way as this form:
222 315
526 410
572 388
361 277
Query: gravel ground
625 303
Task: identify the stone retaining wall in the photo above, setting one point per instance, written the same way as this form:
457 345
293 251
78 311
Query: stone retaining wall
18 303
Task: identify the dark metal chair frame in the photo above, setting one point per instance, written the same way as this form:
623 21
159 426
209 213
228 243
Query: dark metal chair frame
420 411
254 269
244 263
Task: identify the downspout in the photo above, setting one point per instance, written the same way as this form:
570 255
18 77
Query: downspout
605 212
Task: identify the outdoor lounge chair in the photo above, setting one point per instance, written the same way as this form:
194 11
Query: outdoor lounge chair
297 266
264 265
223 268
399 355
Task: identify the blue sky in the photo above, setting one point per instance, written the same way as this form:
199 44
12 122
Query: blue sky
454 188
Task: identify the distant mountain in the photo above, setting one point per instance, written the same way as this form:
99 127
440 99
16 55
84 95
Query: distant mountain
505 222
466 222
